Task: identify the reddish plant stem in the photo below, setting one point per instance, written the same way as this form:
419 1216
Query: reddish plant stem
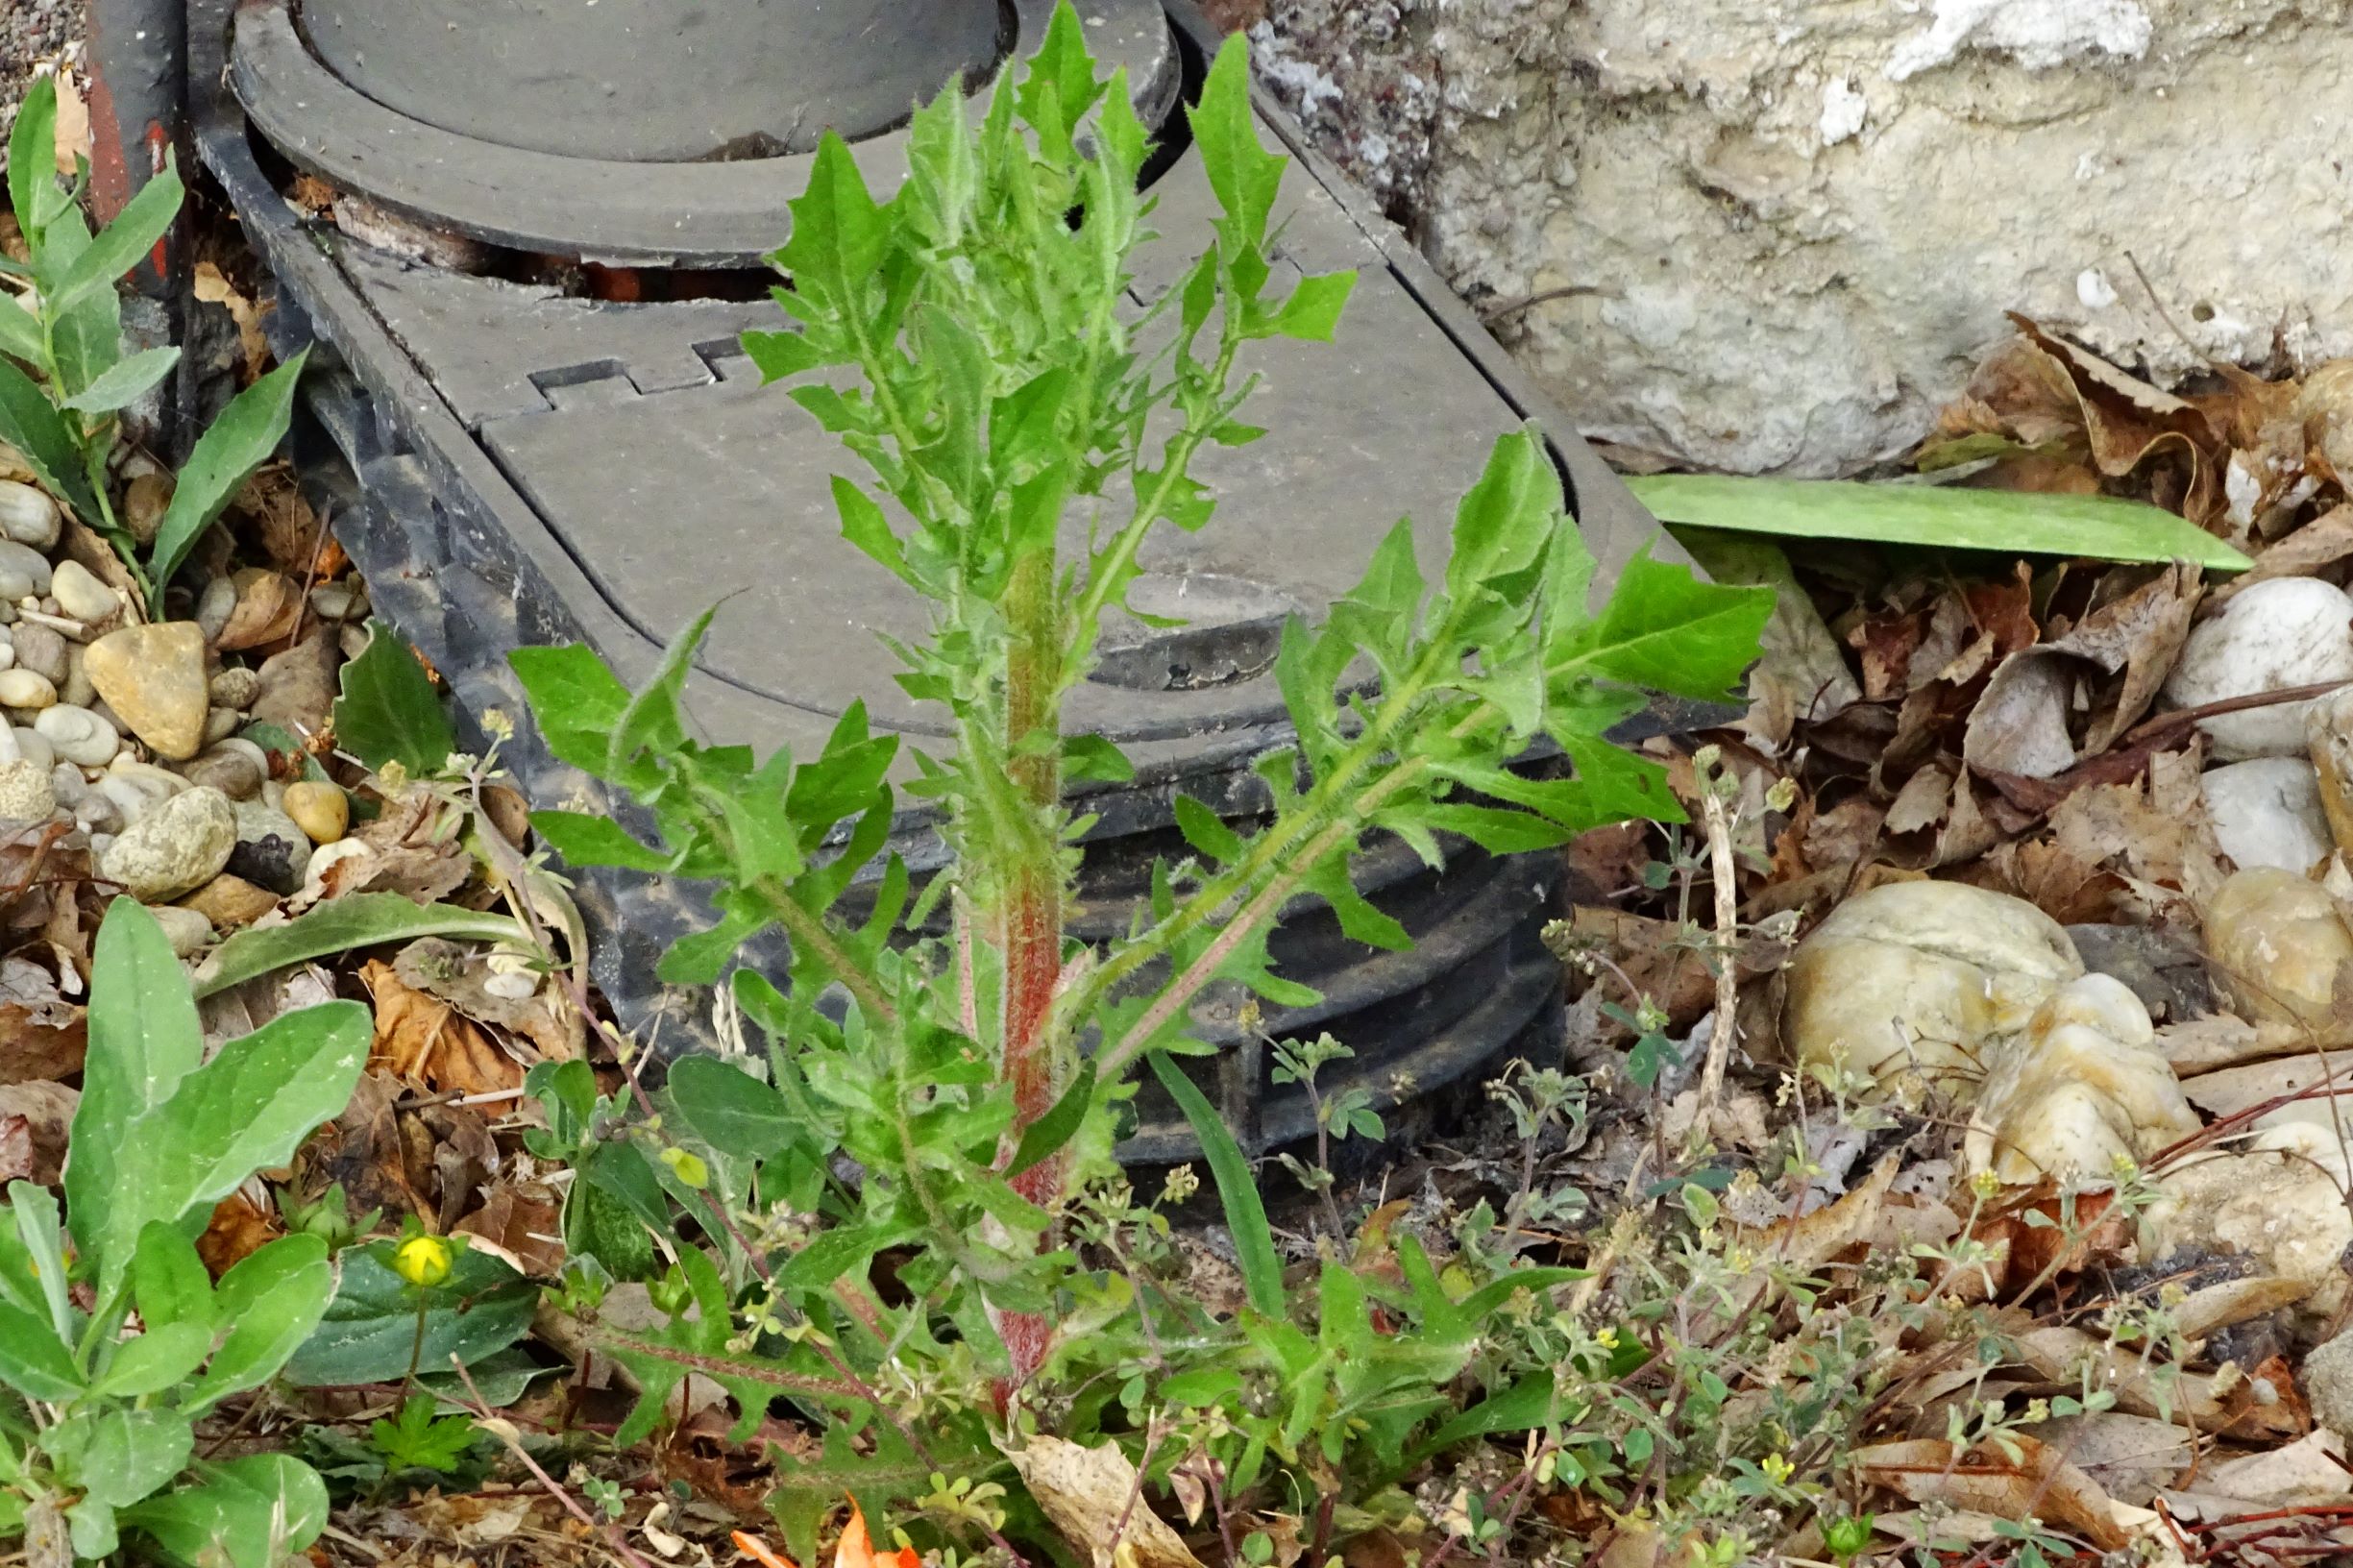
1031 884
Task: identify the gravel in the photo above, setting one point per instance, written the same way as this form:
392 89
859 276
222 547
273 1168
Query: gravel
31 31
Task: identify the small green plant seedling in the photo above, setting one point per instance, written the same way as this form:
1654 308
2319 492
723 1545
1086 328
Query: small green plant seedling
65 380
98 1421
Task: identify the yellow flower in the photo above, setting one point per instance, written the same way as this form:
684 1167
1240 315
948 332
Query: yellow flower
423 1261
1776 1468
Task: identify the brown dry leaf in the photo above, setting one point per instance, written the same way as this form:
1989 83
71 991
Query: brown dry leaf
268 605
2323 542
42 1036
425 1040
1092 1494
2132 426
2021 392
2206 1403
2140 633
34 1118
2040 1482
363 1151
73 124
239 1228
214 287
523 1224
2130 1456
2230 1302
2019 725
2223 1039
460 976
1887 646
2311 1470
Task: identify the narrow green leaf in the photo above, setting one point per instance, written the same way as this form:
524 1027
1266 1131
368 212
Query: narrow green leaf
2010 522
864 524
125 383
225 456
731 1109
31 424
342 926
1243 175
273 1301
651 721
1254 1240
1207 832
781 354
839 233
41 1229
150 1363
20 334
1044 1138
124 243
1530 1403
33 187
168 1281
1665 630
1312 313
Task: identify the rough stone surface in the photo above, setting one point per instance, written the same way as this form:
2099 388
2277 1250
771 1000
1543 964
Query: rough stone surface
26 794
2328 1385
154 677
1794 225
2281 944
174 847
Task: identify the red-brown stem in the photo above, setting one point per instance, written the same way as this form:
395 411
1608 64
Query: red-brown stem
1033 903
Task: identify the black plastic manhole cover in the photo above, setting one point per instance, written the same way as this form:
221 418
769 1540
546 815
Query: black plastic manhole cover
655 81
668 132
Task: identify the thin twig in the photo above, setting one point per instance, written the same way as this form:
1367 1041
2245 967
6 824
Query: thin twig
501 1429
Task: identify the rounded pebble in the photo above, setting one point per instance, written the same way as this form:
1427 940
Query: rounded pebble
190 931
214 608
175 848
32 746
322 811
81 595
25 689
24 573
28 516
235 688
43 651
333 602
79 735
233 773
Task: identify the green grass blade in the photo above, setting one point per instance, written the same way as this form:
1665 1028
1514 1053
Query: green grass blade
1254 1240
1947 516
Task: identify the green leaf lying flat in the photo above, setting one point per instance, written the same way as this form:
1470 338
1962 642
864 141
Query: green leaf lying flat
2100 527
360 920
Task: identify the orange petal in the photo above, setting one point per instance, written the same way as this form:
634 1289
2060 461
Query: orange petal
759 1551
856 1549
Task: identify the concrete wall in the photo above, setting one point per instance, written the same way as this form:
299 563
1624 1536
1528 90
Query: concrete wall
1799 221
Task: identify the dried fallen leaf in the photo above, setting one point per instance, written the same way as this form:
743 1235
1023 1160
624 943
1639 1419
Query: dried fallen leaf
214 287
34 1120
1093 1497
425 1040
2039 1482
73 124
